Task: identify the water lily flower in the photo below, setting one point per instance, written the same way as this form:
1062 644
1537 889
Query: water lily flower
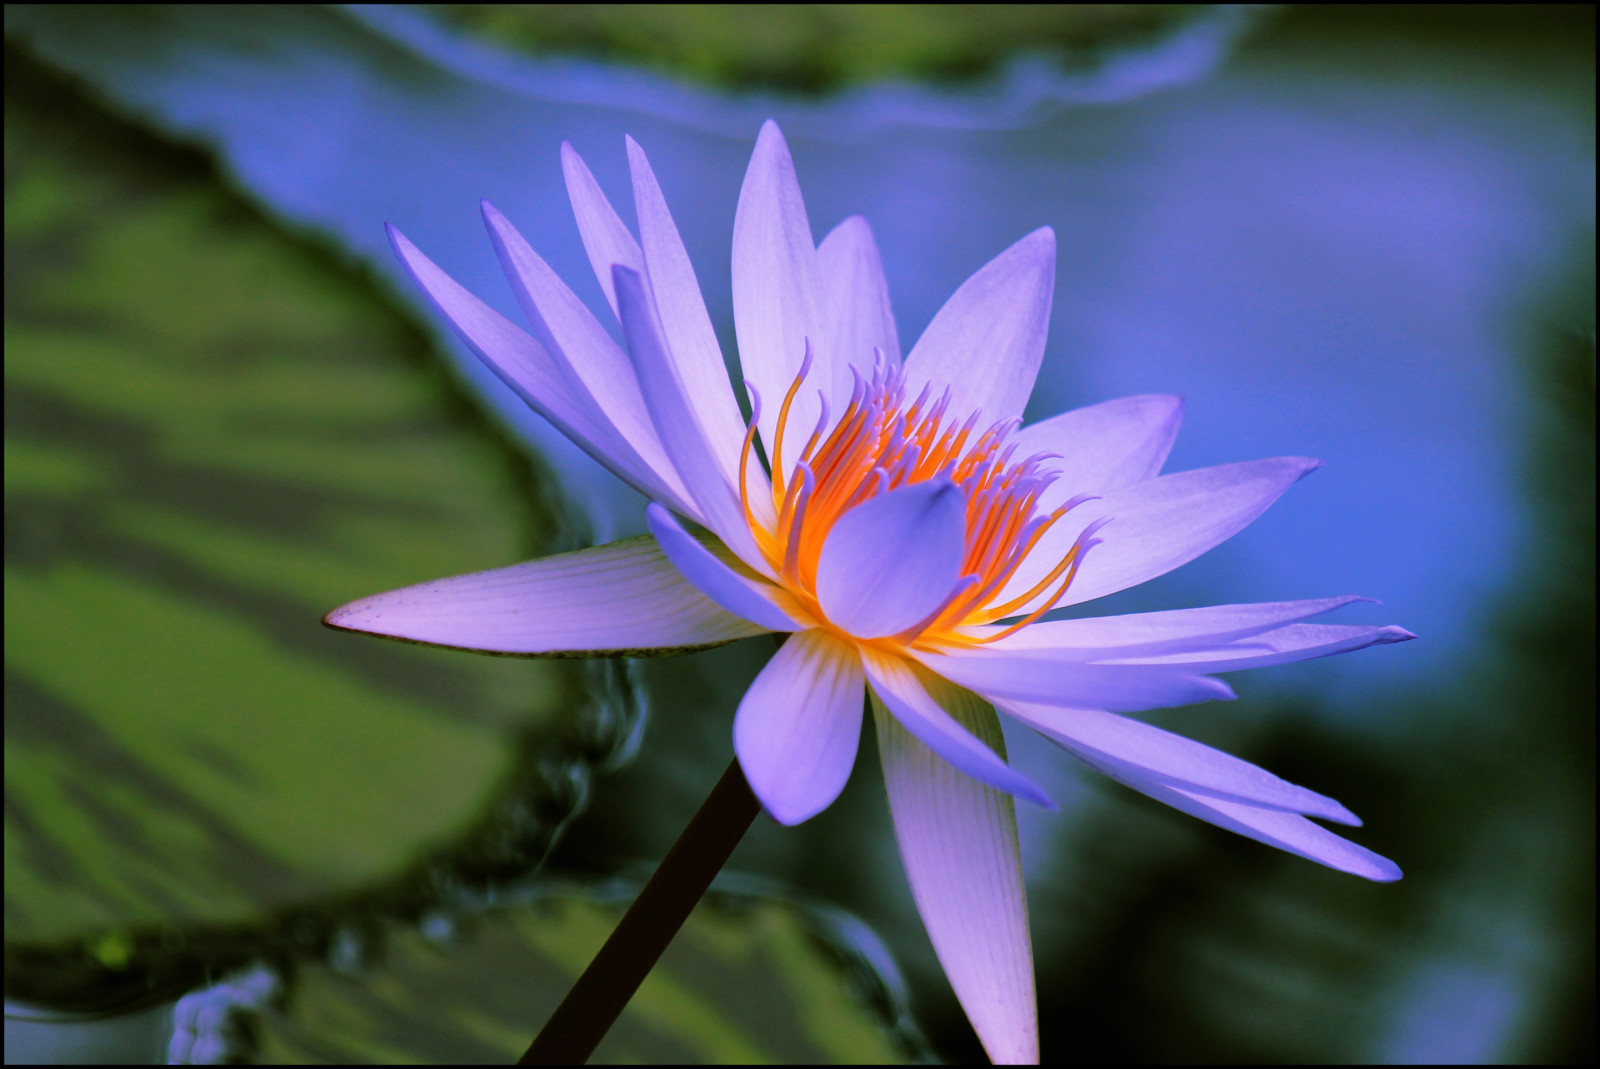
906 532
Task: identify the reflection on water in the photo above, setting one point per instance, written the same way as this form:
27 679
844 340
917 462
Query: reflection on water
1353 240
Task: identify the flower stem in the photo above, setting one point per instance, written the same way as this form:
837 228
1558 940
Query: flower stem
597 999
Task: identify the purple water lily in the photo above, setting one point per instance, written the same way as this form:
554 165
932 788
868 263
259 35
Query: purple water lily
907 533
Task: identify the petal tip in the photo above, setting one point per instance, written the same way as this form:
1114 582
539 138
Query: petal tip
788 817
770 142
348 617
1340 815
1386 872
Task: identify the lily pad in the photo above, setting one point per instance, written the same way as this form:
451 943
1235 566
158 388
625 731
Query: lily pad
215 432
745 983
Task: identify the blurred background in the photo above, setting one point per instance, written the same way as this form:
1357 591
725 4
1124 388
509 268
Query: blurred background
1364 234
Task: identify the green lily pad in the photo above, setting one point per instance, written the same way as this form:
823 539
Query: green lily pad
744 983
215 432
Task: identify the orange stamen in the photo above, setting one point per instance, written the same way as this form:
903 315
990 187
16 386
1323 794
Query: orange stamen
876 446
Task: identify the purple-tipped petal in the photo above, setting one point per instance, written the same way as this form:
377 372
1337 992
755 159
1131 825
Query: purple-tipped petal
1144 634
1104 447
606 237
856 296
958 840
525 366
1140 749
1039 677
892 560
593 365
988 339
904 691
798 726
1275 827
777 292
616 599
1158 525
1296 642
751 599
716 500
691 342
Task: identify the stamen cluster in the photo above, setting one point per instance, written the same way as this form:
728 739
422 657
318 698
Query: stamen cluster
880 444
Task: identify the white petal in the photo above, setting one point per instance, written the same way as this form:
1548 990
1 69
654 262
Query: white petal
988 339
798 726
524 365
889 562
752 599
1038 677
606 237
678 425
593 365
777 294
1296 642
958 840
624 598
1098 638
1158 525
1287 831
856 296
903 688
1105 446
691 343
1144 749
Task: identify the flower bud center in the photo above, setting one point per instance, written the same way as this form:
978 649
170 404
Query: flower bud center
879 444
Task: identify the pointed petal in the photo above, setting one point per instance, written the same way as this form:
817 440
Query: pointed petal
903 688
777 293
717 501
988 339
1296 642
1035 677
1104 447
1099 638
592 364
751 599
525 366
685 324
1158 525
620 599
606 237
1143 749
892 560
958 840
1286 831
856 297
798 726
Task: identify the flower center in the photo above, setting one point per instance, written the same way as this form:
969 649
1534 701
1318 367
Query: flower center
879 444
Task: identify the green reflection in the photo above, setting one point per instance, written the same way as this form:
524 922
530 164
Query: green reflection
215 432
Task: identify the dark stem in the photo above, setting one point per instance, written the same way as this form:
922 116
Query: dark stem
597 999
